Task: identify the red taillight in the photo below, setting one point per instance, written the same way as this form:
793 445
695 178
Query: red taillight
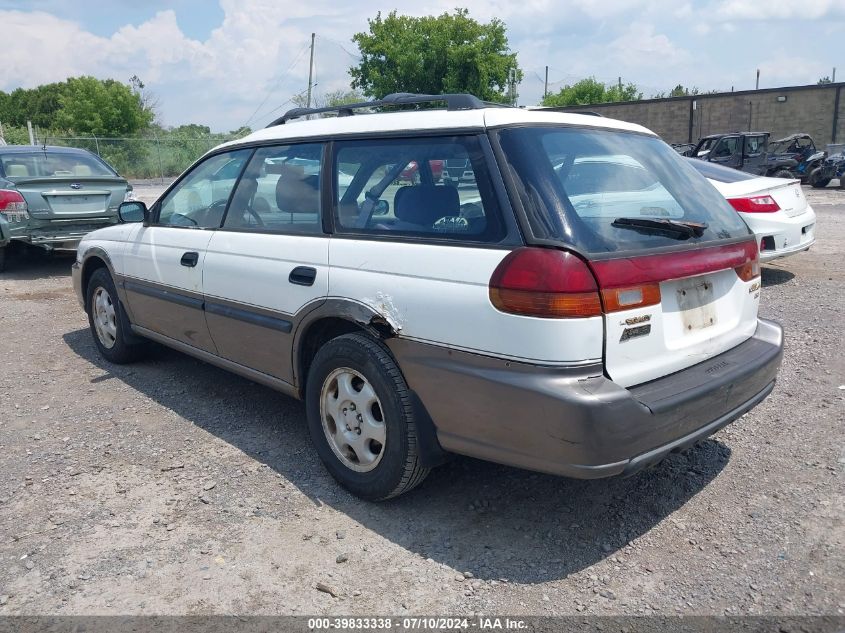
11 200
637 271
554 284
544 283
755 204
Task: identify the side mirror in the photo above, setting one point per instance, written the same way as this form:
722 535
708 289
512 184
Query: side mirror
134 211
382 208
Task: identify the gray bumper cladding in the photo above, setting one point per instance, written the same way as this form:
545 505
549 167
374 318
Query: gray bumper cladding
574 421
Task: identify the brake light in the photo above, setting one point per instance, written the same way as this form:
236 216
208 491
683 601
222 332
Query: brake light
13 205
544 283
556 284
755 204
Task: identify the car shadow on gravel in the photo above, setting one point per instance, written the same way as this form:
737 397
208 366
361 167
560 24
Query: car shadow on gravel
772 276
29 264
492 521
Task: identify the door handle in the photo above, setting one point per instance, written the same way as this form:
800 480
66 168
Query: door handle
303 276
190 259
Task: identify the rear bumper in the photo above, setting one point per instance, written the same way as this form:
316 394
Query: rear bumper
4 232
574 421
783 236
54 241
58 235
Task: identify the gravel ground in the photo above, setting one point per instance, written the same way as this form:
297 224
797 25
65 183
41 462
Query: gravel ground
172 487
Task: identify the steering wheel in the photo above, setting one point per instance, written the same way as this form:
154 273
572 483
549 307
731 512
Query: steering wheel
182 217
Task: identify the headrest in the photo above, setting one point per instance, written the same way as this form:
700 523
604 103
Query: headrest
81 170
16 170
423 204
296 192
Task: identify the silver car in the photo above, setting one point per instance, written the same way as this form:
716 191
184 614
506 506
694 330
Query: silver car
50 197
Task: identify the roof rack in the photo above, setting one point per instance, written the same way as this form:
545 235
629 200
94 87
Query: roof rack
453 102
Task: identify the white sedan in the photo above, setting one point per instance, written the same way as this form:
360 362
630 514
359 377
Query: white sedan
775 209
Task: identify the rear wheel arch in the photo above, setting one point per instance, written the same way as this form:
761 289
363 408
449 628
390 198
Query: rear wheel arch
336 318
314 335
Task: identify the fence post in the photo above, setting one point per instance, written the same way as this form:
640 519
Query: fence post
160 164
96 143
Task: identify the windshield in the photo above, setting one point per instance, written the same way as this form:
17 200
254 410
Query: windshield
575 184
47 164
719 173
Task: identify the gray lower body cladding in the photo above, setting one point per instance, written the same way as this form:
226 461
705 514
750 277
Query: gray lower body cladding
574 421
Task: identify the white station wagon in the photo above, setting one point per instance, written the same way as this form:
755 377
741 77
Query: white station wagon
582 322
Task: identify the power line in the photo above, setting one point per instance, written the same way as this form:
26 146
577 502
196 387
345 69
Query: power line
281 105
341 46
276 85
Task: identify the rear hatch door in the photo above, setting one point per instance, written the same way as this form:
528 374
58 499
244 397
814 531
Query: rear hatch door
663 244
700 307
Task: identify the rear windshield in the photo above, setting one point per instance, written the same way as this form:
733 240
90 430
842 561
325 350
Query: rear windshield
47 164
576 185
719 173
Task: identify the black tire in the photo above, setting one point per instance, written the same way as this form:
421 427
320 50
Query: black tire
125 348
398 469
3 250
783 174
817 182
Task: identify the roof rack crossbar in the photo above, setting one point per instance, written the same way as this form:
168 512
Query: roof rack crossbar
453 102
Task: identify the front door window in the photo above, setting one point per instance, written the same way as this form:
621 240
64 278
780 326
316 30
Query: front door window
200 198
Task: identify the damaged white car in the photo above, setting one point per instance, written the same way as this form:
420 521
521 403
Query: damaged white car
578 302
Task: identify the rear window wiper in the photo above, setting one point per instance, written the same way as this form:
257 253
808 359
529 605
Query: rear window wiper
673 228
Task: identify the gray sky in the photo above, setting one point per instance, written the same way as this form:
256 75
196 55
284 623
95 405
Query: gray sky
236 62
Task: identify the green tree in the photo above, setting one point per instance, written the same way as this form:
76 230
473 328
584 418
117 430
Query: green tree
589 91
38 105
242 131
102 108
342 97
434 55
80 105
823 81
680 91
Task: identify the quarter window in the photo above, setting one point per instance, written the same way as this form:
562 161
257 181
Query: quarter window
199 199
434 187
279 191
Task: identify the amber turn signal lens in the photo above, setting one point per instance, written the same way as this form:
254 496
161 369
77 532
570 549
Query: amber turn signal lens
749 270
547 305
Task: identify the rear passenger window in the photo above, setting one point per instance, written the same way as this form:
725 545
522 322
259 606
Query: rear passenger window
279 191
435 187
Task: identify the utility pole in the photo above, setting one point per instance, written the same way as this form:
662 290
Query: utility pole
833 78
757 87
546 85
512 87
620 85
310 73
31 137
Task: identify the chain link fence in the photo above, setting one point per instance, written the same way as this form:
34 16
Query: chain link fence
161 157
